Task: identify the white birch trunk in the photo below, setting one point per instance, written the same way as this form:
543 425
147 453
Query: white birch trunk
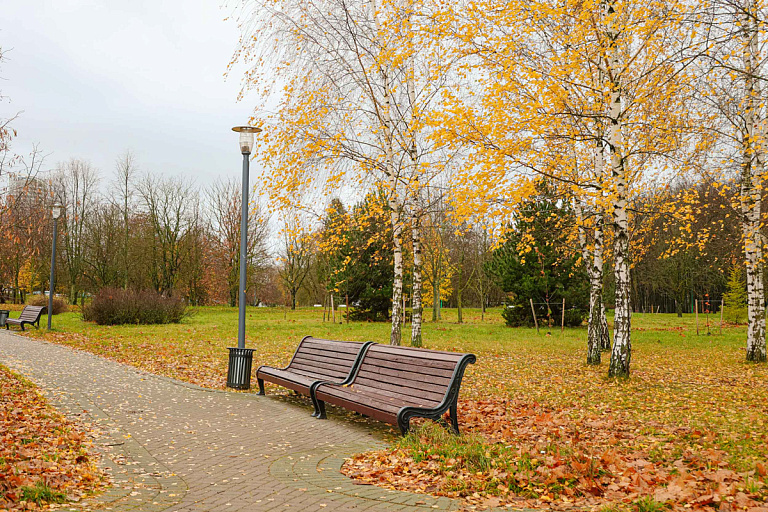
416 305
394 205
397 284
597 275
621 354
595 291
752 170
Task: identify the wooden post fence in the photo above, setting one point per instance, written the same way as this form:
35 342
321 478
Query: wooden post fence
722 307
536 322
347 308
697 316
562 318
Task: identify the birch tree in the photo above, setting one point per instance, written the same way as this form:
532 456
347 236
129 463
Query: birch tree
733 93
556 81
350 113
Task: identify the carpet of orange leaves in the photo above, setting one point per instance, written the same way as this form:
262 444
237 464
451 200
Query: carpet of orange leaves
39 446
571 462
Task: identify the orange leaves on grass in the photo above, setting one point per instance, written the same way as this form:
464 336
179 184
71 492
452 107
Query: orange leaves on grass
530 455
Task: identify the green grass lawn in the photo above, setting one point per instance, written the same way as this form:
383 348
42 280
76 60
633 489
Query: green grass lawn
676 375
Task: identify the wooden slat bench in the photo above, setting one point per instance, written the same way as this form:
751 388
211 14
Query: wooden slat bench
394 384
29 315
315 360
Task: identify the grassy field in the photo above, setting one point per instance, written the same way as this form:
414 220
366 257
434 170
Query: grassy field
686 392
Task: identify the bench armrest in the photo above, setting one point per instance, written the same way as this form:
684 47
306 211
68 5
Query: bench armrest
352 372
449 402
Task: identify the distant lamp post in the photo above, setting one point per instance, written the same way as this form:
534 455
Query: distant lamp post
55 213
241 358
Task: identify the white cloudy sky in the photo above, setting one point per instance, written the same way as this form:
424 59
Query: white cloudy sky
96 77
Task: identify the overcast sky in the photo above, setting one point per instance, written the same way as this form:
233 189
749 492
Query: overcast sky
94 78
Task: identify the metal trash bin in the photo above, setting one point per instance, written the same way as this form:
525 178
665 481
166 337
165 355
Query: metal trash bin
3 316
239 374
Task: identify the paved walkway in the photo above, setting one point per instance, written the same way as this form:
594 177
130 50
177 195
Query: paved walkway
175 446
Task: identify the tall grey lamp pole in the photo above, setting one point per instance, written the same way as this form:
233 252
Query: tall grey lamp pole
55 213
239 375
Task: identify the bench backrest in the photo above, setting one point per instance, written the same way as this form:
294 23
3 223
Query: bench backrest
327 359
413 375
31 313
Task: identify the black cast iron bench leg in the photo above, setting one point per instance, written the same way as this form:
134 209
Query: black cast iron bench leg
454 418
320 406
261 387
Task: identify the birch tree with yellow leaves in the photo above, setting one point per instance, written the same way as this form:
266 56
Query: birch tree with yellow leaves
589 93
351 91
733 94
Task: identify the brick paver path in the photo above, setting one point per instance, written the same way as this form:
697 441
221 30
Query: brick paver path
174 446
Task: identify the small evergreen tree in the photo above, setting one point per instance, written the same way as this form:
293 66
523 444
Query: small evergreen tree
358 257
735 297
539 262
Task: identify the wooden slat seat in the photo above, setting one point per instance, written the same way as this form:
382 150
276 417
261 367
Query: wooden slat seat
315 360
394 384
29 315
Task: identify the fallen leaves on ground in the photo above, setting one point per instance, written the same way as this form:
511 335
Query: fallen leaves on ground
688 396
528 455
43 457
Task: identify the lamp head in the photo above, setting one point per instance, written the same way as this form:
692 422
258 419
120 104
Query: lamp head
56 210
246 137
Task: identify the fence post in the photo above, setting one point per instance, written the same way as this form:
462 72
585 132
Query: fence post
347 297
562 319
333 311
536 322
722 307
696 303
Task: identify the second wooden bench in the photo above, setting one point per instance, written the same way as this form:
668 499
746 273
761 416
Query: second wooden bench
394 384
315 360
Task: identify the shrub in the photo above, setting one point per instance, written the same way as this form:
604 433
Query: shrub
735 298
114 306
59 305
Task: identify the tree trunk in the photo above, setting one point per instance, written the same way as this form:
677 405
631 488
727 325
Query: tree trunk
752 170
622 343
385 117
397 284
416 306
597 330
621 354
460 319
435 299
593 340
597 271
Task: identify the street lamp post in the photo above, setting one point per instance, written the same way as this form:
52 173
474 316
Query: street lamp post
240 359
55 213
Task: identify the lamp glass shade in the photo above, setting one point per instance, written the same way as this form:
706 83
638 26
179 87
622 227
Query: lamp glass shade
56 211
246 142
246 137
